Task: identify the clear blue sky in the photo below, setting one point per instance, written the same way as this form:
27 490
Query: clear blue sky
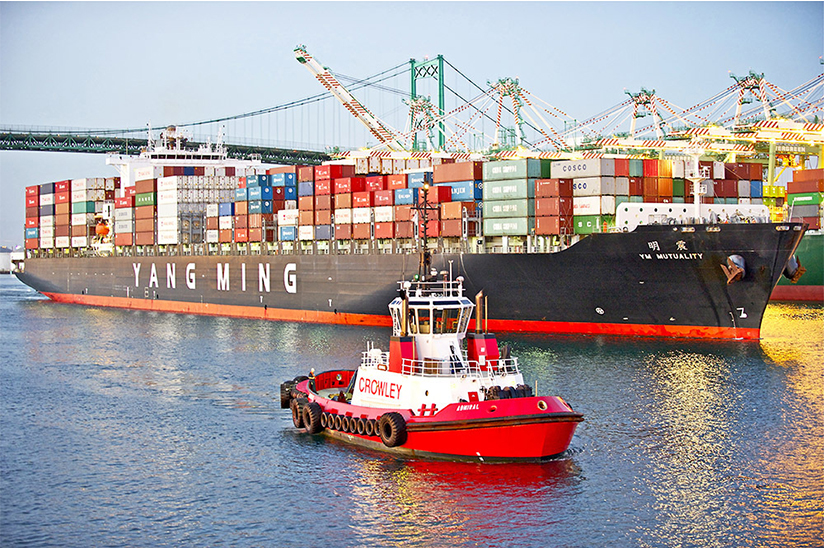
123 64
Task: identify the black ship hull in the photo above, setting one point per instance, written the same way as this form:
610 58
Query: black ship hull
658 280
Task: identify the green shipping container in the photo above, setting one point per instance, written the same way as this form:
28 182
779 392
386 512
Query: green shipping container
621 199
804 199
678 187
516 169
524 207
83 207
509 226
588 224
144 199
511 189
636 168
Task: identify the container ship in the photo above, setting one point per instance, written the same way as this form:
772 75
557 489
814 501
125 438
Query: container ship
594 246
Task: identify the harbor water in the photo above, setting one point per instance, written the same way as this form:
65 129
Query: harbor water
128 428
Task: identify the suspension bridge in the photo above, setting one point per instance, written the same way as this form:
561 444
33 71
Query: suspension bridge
393 113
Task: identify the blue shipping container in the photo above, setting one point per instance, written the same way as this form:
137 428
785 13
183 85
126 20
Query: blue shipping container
252 181
264 180
241 195
259 193
290 193
189 170
286 233
306 188
756 189
463 191
47 188
323 232
405 196
283 180
32 233
260 207
415 180
226 208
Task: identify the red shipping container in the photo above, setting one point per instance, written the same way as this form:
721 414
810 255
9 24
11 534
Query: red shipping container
334 171
343 200
241 235
213 223
439 193
636 186
225 235
404 229
553 225
454 210
385 230
459 171
200 171
63 197
241 183
323 187
323 217
278 205
375 182
123 239
622 167
241 207
557 206
651 198
343 232
230 171
32 222
433 228
814 222
403 213
362 199
396 181
66 186
168 171
650 185
241 221
32 243
125 202
144 239
809 186
349 185
323 202
306 203
650 168
383 198
798 175
278 193
129 191
145 186
454 228
553 187
254 234
361 231
253 221
33 201
34 190
287 169
62 229
306 173
144 212
306 217
34 211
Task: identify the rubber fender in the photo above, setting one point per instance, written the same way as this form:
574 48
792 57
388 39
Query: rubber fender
371 427
507 392
338 420
311 418
324 420
360 425
392 429
286 393
794 269
297 413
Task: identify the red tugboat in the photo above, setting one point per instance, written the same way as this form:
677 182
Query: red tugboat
427 396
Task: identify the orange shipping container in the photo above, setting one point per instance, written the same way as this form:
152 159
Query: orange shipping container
454 210
323 217
306 173
383 198
343 232
553 206
212 223
144 239
621 167
459 171
225 235
241 207
241 235
403 213
361 231
362 199
553 187
403 229
553 225
124 239
306 217
807 186
396 181
323 202
665 187
807 175
241 222
32 243
343 200
143 225
145 186
385 230
454 228
306 203
323 187
144 212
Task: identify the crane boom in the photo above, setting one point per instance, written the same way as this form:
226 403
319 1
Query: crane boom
325 77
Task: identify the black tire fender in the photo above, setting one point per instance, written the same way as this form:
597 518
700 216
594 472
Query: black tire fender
311 417
297 413
392 429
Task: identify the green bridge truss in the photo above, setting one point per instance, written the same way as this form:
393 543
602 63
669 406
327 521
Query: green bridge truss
84 143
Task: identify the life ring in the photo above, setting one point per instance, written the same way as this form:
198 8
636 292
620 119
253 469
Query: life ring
311 418
392 429
297 416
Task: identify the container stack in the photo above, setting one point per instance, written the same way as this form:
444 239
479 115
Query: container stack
805 197
553 207
509 196
465 183
593 191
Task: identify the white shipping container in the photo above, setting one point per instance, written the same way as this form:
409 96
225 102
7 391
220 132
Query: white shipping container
590 167
718 171
209 171
148 172
123 227
168 210
384 214
211 210
82 219
47 232
173 196
306 232
677 169
225 222
744 188
593 186
288 217
46 242
168 224
80 241
46 221
622 186
593 205
62 241
740 201
343 216
81 195
212 235
167 237
124 214
361 215
79 185
168 183
46 199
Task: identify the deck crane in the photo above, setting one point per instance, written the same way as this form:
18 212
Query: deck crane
643 103
384 135
754 85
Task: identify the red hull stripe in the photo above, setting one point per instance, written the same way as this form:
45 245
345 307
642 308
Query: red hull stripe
798 293
534 326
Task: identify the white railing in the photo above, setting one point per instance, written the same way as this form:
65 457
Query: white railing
432 367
